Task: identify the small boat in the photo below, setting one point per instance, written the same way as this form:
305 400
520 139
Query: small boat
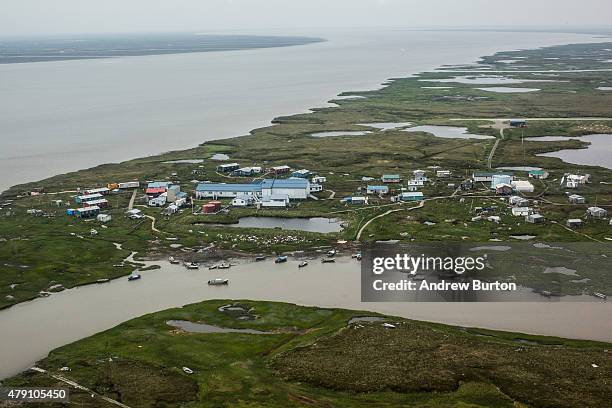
331 253
357 256
260 258
187 370
173 261
224 265
303 264
192 265
218 281
134 277
388 326
328 260
600 295
103 280
280 259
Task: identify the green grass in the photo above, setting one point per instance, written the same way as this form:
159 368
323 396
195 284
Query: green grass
313 359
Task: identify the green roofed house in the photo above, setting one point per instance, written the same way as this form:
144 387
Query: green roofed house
391 178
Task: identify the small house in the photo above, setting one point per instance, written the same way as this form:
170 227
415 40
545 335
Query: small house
303 173
280 169
503 189
411 196
574 222
243 201
518 201
102 203
318 180
275 201
379 190
419 175
159 201
208 208
576 199
535 218
134 214
246 171
104 217
366 178
87 212
494 218
597 212
522 186
500 179
443 173
482 177
521 211
227 168
538 174
518 124
88 197
391 178
128 184
101 190
315 188
355 200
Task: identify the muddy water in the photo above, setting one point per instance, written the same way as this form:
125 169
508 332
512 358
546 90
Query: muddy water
28 331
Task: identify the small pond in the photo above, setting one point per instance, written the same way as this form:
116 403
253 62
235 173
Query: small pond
447 132
192 327
315 224
387 125
598 153
507 89
341 133
501 248
219 156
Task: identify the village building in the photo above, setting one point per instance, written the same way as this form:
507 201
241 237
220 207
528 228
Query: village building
500 179
275 201
128 184
411 196
294 188
88 197
419 175
538 174
522 186
366 178
246 171
303 173
134 214
597 212
280 169
482 177
243 201
227 168
355 200
101 190
521 211
574 222
378 190
535 218
494 218
104 218
518 201
503 189
173 192
575 180
443 173
102 203
518 123
222 190
156 188
158 201
315 188
391 178
576 199
318 180
87 212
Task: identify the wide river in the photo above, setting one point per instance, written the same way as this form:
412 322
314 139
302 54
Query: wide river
28 331
68 115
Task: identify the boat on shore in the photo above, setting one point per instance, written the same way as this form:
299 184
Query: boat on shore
331 253
103 280
303 264
600 295
173 261
192 265
224 265
328 260
187 370
218 281
280 259
134 277
260 258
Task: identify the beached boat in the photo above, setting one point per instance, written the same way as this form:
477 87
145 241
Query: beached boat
280 259
103 280
328 260
260 258
187 370
224 265
600 295
134 277
218 281
303 264
192 265
173 261
332 252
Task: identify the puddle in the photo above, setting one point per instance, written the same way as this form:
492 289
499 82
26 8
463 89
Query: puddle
315 224
192 327
562 270
507 89
219 156
387 125
447 132
491 248
365 319
185 161
523 237
341 133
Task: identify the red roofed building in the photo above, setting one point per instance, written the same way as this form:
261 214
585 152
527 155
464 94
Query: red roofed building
155 191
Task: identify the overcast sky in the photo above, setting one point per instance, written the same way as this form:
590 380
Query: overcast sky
33 17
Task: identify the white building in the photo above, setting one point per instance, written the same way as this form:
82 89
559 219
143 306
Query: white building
443 173
318 180
294 188
521 211
522 186
275 201
104 217
419 175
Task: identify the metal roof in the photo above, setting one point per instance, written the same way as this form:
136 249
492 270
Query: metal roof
378 188
233 188
285 183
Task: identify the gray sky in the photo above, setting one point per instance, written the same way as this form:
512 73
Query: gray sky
25 17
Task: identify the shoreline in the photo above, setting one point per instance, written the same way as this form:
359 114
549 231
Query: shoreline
382 81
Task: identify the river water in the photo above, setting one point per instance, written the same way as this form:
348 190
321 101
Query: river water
30 330
68 115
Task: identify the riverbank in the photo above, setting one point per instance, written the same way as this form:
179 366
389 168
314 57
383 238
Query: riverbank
287 360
